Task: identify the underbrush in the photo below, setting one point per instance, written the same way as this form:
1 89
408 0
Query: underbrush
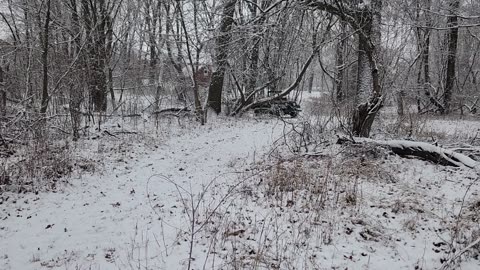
38 155
353 202
40 159
41 166
388 124
295 208
348 202
451 129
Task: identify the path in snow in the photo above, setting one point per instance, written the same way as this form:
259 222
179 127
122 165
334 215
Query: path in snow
108 222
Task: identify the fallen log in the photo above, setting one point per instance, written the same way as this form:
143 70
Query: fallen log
421 150
185 109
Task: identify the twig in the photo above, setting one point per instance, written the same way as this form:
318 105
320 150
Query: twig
452 260
110 134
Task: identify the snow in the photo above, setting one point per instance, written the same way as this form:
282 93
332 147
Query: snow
111 220
460 159
234 193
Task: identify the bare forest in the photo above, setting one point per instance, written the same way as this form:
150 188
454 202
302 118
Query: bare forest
239 134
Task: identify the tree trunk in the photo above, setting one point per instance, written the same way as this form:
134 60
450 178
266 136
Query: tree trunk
76 91
365 20
29 50
199 110
95 19
151 20
340 63
452 23
369 97
401 102
181 86
3 93
216 85
45 43
98 88
361 122
108 57
423 47
255 51
310 82
422 150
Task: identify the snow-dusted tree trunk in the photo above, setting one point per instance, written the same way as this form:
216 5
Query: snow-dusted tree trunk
364 75
369 93
420 150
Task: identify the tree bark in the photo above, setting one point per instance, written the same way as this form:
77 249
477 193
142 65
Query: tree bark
169 30
422 150
95 19
3 93
452 24
45 43
364 19
401 102
152 20
423 47
193 65
76 93
216 85
255 51
369 96
340 63
310 82
108 57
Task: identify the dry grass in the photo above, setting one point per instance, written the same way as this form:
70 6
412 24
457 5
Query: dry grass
39 166
327 180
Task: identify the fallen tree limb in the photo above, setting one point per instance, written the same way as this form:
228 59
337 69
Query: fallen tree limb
109 133
244 107
125 132
421 150
172 110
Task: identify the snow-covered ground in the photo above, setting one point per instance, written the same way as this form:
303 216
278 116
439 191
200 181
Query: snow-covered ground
232 195
129 215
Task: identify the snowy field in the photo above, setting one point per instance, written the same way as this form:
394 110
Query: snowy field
236 194
129 214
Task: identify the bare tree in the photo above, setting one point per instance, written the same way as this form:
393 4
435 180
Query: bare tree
364 18
98 19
